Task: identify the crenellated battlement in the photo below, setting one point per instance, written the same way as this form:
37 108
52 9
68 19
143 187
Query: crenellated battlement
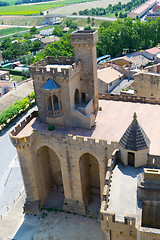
55 61
55 68
112 218
80 141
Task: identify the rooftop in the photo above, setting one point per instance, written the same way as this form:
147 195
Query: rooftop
114 119
108 74
142 7
153 50
50 39
123 195
134 138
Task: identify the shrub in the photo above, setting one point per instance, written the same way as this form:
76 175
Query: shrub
51 128
13 110
32 95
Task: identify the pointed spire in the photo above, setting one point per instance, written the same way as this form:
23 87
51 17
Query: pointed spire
134 138
134 116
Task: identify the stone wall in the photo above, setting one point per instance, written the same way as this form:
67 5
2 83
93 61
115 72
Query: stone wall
153 161
147 84
129 98
68 150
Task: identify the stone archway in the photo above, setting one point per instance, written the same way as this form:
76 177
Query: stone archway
90 181
77 97
50 176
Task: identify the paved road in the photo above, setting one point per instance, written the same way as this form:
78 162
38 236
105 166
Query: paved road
11 183
95 17
124 84
10 175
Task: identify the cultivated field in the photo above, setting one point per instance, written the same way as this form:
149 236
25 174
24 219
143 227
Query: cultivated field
8 31
22 21
36 8
82 6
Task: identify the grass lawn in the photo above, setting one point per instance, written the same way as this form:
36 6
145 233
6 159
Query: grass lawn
7 31
17 78
35 9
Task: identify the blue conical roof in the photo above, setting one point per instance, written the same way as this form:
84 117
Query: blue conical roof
50 85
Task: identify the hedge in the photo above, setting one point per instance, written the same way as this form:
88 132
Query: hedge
11 71
15 109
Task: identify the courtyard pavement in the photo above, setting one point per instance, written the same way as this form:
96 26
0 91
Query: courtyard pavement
123 194
112 122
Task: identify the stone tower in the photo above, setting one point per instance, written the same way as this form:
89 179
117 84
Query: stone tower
134 145
67 95
84 43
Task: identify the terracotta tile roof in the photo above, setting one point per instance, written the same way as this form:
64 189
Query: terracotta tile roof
153 50
108 74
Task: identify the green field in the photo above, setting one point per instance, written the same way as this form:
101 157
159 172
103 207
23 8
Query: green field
7 31
17 78
23 21
11 2
35 9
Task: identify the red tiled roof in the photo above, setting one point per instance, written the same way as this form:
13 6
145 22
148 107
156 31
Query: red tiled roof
153 50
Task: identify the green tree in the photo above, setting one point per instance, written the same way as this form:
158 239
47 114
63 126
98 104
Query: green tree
88 27
93 21
116 14
88 20
120 15
33 30
57 48
57 31
73 25
68 22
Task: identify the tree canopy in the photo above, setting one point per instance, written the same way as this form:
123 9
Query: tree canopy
128 34
57 48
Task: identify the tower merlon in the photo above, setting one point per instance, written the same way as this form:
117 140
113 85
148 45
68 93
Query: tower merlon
88 37
67 71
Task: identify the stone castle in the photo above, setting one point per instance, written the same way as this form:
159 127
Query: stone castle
97 172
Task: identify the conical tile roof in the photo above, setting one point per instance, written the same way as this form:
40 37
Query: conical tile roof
50 85
134 138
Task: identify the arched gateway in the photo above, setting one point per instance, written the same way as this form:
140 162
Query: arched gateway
50 177
90 180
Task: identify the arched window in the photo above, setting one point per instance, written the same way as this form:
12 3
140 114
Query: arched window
77 97
55 102
49 103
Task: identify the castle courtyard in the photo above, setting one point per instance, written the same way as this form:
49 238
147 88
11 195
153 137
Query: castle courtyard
111 123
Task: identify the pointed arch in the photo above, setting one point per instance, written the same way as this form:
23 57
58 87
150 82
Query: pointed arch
90 178
50 176
76 97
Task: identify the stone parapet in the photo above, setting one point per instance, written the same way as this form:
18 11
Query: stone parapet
108 178
63 71
153 161
128 98
53 61
89 38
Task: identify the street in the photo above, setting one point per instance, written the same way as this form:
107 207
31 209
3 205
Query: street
11 183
